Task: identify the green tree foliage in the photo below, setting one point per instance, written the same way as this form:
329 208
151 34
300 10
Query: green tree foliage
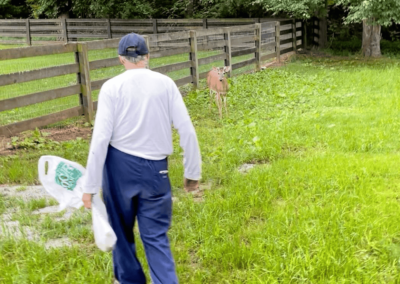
147 9
208 9
300 9
381 12
92 8
384 12
231 9
132 9
13 9
373 14
116 9
50 8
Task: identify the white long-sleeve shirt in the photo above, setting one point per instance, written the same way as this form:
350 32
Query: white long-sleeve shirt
135 114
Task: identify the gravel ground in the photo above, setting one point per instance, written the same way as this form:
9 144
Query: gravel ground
12 228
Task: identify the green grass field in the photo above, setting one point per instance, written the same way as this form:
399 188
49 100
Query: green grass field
321 204
25 64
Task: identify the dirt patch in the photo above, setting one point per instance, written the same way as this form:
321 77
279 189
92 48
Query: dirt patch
55 134
314 52
31 192
12 229
283 60
6 217
273 64
53 210
198 195
46 210
69 133
56 243
246 168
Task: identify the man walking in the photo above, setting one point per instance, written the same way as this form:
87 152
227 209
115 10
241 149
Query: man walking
131 141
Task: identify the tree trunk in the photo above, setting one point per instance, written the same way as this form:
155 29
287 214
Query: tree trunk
62 16
323 27
371 40
323 32
190 9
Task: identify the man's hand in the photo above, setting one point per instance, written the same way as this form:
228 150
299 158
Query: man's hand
87 200
191 185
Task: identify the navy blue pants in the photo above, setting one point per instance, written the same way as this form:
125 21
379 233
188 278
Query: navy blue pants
138 188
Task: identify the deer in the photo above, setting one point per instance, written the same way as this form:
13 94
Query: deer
217 83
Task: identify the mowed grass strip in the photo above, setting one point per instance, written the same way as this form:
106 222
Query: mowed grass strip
320 205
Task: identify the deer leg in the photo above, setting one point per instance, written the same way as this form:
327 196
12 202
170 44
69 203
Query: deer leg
211 98
226 105
219 103
216 100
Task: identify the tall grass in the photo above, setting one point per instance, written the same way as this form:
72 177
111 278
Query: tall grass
320 206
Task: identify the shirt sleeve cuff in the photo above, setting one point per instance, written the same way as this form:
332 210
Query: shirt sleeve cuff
193 176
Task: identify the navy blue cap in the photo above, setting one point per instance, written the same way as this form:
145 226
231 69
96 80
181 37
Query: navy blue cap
132 45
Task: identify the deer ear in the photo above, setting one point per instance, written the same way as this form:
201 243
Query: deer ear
227 68
214 68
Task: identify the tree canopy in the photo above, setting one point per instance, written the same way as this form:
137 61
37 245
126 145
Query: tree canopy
382 12
91 8
131 9
300 9
13 9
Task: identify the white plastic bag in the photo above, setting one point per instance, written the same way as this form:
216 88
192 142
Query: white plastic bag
104 235
62 179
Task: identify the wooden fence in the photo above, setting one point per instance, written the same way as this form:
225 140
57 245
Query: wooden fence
66 30
262 41
315 31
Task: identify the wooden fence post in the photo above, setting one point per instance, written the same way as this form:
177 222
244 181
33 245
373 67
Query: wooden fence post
194 70
323 32
146 38
228 50
278 41
28 32
64 30
84 80
78 75
205 24
258 47
154 26
109 34
304 34
294 35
